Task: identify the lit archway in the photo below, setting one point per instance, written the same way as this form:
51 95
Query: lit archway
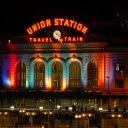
21 75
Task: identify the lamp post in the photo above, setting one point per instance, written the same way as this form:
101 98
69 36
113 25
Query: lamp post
83 116
3 118
78 117
124 94
109 109
21 116
31 120
12 108
86 116
70 123
116 125
116 116
48 117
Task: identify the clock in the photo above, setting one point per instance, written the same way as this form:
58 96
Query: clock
57 34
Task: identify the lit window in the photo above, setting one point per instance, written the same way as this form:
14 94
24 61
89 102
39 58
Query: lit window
56 75
74 75
39 75
92 75
117 67
21 75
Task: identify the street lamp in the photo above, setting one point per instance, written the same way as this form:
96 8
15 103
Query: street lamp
21 116
124 94
12 108
71 115
85 116
109 108
3 114
41 108
78 117
48 115
116 116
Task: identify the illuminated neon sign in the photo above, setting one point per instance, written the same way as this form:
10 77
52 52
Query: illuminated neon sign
57 22
57 35
50 40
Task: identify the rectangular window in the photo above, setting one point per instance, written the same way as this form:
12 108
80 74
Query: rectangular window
119 83
117 67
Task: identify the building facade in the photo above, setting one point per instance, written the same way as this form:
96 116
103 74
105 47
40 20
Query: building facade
63 80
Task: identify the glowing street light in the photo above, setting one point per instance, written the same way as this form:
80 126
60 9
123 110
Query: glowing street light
40 108
12 107
78 117
116 116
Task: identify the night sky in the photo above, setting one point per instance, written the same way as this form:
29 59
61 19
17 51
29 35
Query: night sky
16 16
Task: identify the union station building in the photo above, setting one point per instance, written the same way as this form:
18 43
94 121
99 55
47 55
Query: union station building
59 76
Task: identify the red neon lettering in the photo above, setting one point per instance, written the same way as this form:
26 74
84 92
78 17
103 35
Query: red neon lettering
84 30
34 27
61 21
75 25
38 25
66 23
34 39
29 30
38 40
48 22
79 27
81 39
71 23
56 22
42 24
73 39
30 39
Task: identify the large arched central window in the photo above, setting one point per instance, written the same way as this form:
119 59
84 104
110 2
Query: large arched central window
74 75
39 75
56 75
92 75
21 75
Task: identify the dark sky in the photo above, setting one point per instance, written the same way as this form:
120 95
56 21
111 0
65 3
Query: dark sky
16 16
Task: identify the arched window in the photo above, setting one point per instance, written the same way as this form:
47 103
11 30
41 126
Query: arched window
0 77
92 75
39 75
74 75
21 75
56 75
